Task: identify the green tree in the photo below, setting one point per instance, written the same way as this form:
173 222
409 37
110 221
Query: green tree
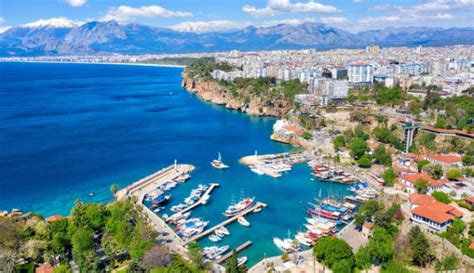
441 123
362 258
113 188
331 250
422 254
232 266
389 177
468 160
450 262
364 161
366 211
437 171
441 197
196 254
339 142
453 174
421 164
62 268
380 247
358 147
421 186
82 246
395 267
382 157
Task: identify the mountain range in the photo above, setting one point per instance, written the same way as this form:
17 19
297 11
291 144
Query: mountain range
111 37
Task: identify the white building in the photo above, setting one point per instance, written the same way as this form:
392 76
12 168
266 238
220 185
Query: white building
361 72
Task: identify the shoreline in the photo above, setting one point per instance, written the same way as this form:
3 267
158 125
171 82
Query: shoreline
103 63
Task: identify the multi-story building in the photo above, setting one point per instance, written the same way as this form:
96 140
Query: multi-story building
360 73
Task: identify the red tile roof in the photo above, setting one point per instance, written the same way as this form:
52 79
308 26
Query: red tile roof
448 131
433 215
53 218
421 199
470 199
414 177
471 246
448 159
44 268
368 225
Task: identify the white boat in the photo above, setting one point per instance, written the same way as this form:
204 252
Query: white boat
217 163
159 209
285 245
214 238
205 199
243 221
300 237
224 230
182 178
241 260
235 209
256 170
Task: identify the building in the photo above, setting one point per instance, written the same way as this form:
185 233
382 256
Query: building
445 160
470 200
407 182
431 214
44 268
360 73
367 228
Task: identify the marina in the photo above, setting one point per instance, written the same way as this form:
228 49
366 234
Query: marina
274 165
238 249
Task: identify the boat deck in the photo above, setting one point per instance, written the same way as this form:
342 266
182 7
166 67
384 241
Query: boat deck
227 221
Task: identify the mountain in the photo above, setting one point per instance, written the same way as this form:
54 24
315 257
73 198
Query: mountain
61 37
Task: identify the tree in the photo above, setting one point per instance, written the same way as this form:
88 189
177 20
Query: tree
362 258
421 186
468 160
436 171
395 267
382 157
331 250
420 247
389 177
62 268
158 255
364 161
232 266
421 164
441 123
450 262
453 174
366 211
441 197
339 142
358 147
82 245
196 254
380 247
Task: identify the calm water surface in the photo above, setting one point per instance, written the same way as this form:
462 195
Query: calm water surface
67 130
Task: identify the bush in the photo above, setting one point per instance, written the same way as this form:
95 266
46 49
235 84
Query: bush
389 177
453 174
307 135
441 197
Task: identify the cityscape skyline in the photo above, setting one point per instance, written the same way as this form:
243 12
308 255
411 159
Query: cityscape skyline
191 15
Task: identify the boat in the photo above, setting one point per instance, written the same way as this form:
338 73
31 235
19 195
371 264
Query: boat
243 221
258 209
235 209
178 208
285 245
300 237
158 209
205 199
214 238
217 163
222 231
256 170
161 200
241 260
182 178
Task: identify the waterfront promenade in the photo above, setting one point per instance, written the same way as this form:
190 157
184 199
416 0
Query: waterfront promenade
140 188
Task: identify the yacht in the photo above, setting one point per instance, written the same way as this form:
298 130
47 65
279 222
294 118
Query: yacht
214 238
243 221
217 163
241 260
235 209
300 237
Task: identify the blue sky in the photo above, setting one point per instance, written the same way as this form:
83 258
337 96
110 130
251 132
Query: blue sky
204 15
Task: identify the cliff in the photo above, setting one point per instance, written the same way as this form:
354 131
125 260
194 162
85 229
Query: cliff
293 140
213 92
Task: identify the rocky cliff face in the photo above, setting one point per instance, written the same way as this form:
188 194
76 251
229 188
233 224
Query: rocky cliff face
295 141
213 92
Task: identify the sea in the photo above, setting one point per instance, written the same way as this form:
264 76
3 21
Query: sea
70 131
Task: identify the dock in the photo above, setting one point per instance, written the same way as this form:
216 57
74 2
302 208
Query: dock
258 205
198 203
229 254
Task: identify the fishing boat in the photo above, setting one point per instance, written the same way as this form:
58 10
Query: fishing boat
217 163
243 204
243 221
241 260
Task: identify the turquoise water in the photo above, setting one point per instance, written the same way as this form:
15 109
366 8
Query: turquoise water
67 130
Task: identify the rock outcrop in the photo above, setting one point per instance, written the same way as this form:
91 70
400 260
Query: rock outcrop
213 92
293 140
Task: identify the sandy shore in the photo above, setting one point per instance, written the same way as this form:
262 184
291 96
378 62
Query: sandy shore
107 63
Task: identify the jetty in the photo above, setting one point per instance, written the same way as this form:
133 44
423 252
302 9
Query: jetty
257 206
229 254
274 164
198 203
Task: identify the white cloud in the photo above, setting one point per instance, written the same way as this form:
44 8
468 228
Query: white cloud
59 22
335 20
274 7
210 26
77 3
358 1
128 14
2 20
442 16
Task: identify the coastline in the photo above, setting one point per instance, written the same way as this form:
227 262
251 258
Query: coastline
103 63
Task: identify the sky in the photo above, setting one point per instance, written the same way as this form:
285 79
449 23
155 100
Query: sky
210 15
